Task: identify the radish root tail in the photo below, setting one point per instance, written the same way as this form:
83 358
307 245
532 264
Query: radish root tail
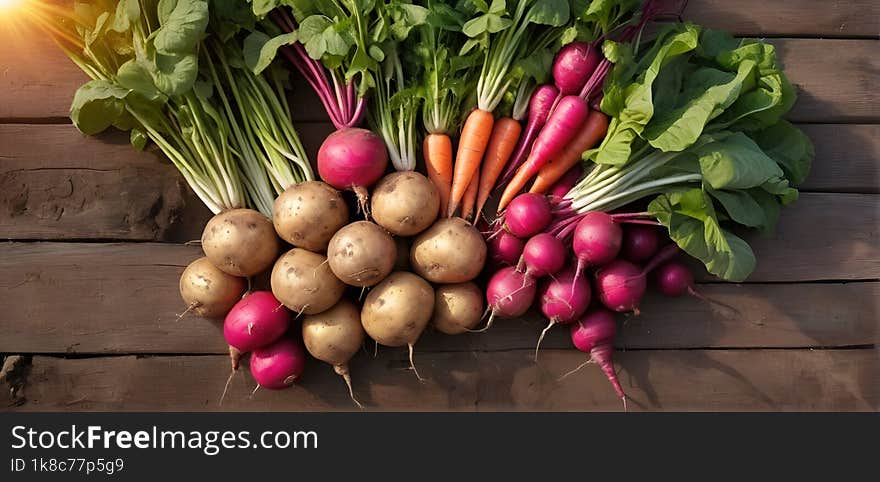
192 306
488 324
541 338
226 387
572 372
362 196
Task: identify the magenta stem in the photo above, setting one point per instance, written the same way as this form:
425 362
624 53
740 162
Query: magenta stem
638 221
665 254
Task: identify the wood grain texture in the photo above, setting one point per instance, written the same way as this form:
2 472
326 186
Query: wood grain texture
847 158
835 78
689 380
790 18
123 298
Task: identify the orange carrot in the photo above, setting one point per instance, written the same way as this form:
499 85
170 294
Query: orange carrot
437 149
505 135
471 146
470 198
592 132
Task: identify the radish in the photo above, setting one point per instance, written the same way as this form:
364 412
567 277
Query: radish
562 125
597 240
509 294
528 214
675 279
594 334
352 159
278 365
620 286
505 249
571 177
640 242
540 105
543 254
574 65
256 321
563 300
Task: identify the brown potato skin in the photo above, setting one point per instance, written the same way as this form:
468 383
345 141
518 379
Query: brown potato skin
361 254
450 251
308 214
240 242
209 292
296 278
398 309
405 203
335 335
458 308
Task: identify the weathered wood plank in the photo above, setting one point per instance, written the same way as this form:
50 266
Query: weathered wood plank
847 158
713 380
790 18
123 298
836 77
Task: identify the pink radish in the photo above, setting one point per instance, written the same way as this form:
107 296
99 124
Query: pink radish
505 249
353 159
543 254
594 334
574 65
640 242
509 294
540 105
571 177
278 365
563 300
528 214
620 286
597 239
256 321
675 279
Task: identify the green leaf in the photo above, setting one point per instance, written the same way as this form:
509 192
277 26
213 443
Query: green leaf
183 28
132 75
260 50
376 53
138 139
164 9
263 7
174 74
405 17
96 105
554 13
127 11
790 148
319 37
693 225
736 162
741 207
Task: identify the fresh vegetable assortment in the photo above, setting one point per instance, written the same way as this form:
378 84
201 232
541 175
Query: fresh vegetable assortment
591 154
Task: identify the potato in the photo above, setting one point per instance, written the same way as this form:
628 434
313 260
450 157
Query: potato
302 281
308 214
397 310
458 308
450 251
209 292
334 336
240 242
405 203
361 254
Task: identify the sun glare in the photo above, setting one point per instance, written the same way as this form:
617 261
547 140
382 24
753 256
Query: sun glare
6 5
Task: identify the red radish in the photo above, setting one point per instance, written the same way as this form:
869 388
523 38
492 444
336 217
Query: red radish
278 365
509 294
640 242
543 254
675 279
621 286
540 105
505 249
256 321
563 300
352 159
594 334
559 189
574 65
562 126
596 241
527 215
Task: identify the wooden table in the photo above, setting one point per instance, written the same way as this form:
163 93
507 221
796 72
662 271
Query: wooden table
88 293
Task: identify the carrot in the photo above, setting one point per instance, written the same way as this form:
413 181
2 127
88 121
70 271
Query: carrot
470 198
505 135
437 149
471 146
592 132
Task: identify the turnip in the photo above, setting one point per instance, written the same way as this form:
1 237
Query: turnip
620 286
574 65
256 321
278 365
594 334
405 203
509 294
353 159
209 292
397 310
528 214
361 254
334 336
543 254
241 242
458 308
564 298
505 249
450 251
307 215
640 242
302 281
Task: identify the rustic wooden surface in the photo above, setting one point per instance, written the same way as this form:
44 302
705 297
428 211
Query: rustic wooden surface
95 236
